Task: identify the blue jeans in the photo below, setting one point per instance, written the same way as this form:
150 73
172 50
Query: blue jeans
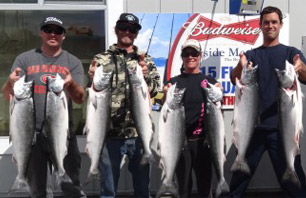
111 157
270 141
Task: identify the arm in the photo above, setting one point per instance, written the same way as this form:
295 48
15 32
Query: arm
75 91
7 88
165 89
300 67
150 73
92 68
236 73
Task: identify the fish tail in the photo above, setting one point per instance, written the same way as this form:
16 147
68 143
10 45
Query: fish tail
167 190
19 184
92 176
222 189
62 179
65 178
241 165
146 159
291 176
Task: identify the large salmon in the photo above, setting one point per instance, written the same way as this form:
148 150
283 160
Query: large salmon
214 124
141 111
290 110
56 127
171 138
245 115
22 129
97 119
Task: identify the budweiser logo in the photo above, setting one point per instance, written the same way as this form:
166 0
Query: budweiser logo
245 31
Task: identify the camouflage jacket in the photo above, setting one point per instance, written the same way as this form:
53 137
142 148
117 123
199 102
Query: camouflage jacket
117 60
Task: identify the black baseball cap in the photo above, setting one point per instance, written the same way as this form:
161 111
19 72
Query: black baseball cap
52 21
129 18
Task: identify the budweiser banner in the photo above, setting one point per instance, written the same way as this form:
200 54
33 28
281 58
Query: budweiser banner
222 37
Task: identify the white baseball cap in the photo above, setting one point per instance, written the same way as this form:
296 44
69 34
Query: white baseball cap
193 44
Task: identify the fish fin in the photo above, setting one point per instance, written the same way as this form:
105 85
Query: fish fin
233 122
44 130
64 102
11 97
68 134
123 161
168 190
92 177
146 159
222 189
291 177
12 106
224 148
14 159
144 92
62 179
19 184
242 166
297 138
85 130
165 115
185 143
94 102
162 167
234 139
292 99
156 158
223 158
301 128
34 138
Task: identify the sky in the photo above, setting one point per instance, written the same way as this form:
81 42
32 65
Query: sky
161 38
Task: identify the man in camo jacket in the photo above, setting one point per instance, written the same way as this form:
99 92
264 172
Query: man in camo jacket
122 138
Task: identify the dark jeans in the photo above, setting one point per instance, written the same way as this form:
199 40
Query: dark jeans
195 157
39 174
270 141
112 154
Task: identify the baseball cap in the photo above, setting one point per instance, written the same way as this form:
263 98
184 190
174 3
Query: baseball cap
129 18
193 44
52 21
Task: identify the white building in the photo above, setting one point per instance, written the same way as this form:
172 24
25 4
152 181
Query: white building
90 30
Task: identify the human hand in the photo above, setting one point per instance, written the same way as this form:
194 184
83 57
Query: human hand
14 76
219 85
92 69
165 89
243 62
68 79
298 64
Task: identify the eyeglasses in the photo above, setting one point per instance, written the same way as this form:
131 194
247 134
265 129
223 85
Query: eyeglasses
193 54
49 30
124 28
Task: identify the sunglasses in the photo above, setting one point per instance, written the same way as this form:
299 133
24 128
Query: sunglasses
193 54
49 30
124 28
